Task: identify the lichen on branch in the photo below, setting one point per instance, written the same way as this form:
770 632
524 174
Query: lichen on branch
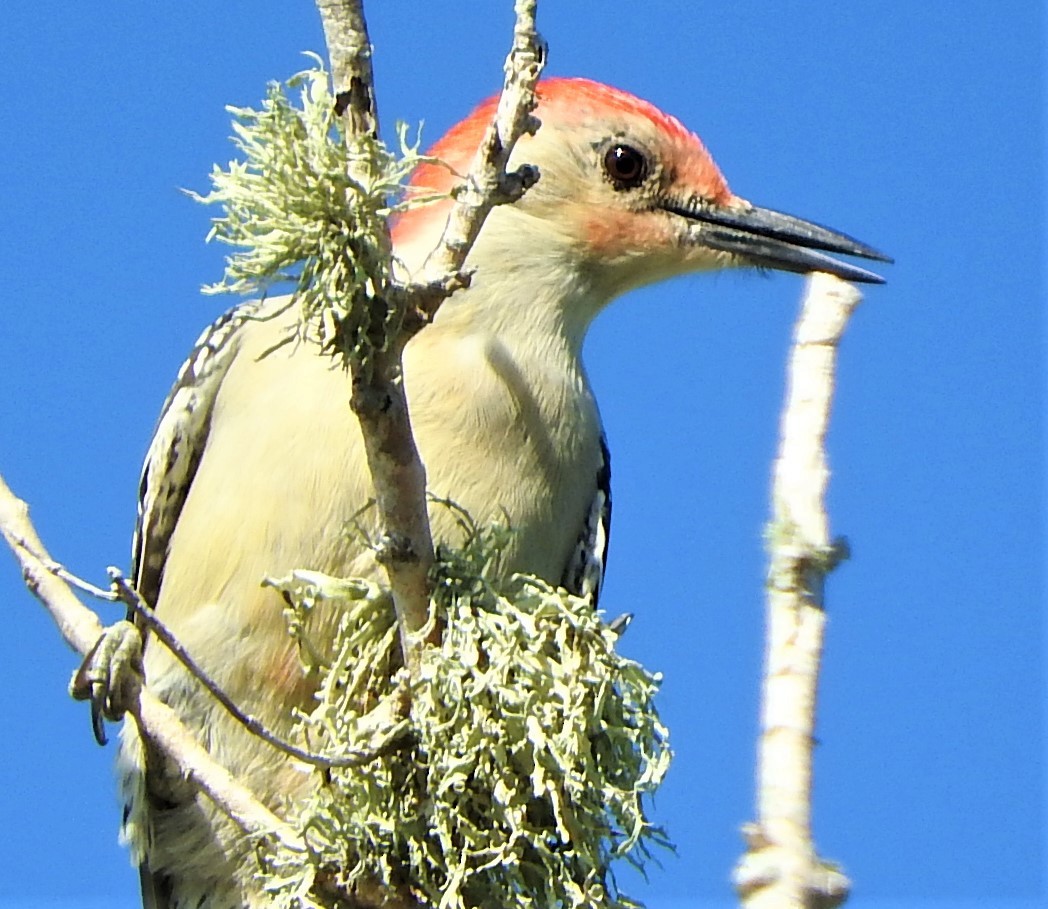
306 207
533 748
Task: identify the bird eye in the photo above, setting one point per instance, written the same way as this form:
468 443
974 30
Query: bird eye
625 166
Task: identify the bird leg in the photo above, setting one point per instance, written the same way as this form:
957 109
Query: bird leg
110 676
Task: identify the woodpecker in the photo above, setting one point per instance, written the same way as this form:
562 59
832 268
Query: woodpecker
257 463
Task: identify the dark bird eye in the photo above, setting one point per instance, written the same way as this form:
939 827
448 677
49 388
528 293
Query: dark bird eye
625 166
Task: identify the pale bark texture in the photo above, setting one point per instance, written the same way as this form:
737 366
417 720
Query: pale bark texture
379 399
781 868
488 183
378 394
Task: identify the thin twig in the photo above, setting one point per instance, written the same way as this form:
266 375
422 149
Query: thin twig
781 868
122 591
81 629
392 455
78 583
130 597
488 183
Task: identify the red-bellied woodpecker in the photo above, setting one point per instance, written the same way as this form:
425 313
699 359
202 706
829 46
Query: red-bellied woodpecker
257 463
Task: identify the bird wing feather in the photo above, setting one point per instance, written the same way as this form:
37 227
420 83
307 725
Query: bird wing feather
585 572
170 465
178 443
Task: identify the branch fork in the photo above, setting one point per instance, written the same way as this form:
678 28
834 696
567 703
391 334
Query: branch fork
378 398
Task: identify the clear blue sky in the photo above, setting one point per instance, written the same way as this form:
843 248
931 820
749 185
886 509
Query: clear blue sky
916 127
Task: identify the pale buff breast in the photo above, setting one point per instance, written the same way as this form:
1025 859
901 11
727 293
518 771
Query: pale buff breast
283 477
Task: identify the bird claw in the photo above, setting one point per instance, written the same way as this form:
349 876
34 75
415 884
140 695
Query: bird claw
110 675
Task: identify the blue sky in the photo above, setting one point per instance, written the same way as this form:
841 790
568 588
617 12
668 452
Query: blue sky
918 128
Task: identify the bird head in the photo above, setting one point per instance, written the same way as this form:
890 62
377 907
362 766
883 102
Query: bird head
626 195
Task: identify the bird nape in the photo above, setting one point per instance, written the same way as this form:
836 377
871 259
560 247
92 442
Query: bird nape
257 463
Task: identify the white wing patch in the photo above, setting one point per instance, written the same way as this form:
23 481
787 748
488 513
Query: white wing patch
178 443
585 571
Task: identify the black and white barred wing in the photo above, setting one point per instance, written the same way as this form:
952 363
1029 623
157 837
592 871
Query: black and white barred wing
178 443
585 571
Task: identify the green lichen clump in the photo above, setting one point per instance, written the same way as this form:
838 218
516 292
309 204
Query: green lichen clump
306 207
532 745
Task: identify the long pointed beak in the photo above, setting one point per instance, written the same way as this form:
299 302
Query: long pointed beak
771 239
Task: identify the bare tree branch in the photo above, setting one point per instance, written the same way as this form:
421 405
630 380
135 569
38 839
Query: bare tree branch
488 183
349 53
81 629
781 868
379 399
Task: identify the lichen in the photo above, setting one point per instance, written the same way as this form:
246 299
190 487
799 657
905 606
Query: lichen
533 747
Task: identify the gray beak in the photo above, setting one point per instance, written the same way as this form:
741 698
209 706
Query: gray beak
771 239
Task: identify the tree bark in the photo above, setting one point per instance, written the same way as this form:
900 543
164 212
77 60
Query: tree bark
781 868
379 397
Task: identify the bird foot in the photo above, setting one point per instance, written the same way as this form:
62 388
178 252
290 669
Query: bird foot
110 676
